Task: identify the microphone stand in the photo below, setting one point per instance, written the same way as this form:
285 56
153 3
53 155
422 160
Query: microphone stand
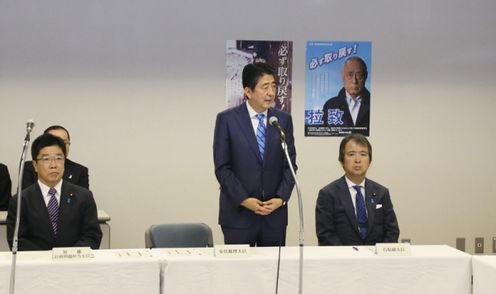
18 214
300 207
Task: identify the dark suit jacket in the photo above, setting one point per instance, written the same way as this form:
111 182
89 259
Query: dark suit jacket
5 187
363 117
77 226
73 173
336 222
242 173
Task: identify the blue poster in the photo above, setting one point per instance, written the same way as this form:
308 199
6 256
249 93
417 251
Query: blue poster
337 88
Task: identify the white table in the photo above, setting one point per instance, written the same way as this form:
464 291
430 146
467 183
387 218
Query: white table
484 271
430 269
111 271
103 219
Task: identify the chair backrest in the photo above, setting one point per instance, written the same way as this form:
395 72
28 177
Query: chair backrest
179 236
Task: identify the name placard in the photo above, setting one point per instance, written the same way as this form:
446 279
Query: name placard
393 249
231 250
188 251
72 253
134 253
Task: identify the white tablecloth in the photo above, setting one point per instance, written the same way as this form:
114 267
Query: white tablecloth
110 272
430 269
484 270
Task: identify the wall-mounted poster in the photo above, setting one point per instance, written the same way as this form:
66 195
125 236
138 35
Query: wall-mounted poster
279 54
337 90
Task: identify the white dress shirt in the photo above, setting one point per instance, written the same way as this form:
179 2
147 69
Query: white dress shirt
44 191
353 106
253 116
353 192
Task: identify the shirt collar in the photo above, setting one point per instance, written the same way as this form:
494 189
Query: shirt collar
44 188
349 98
251 112
351 184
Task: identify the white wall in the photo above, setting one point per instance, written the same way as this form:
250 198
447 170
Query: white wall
139 83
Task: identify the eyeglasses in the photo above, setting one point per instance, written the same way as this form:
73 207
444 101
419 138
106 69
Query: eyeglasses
360 76
46 160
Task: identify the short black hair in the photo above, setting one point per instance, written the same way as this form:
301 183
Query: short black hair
254 71
357 138
57 127
46 140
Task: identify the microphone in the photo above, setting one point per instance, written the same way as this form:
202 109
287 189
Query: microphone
29 127
15 237
275 123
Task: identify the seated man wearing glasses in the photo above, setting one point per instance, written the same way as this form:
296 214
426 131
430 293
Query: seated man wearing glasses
74 172
349 112
54 212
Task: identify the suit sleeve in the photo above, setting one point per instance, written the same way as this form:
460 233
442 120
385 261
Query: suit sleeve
287 182
84 181
229 183
24 243
324 220
29 176
91 234
5 187
391 228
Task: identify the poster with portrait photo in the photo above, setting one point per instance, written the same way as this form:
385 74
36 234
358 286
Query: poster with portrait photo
337 88
279 54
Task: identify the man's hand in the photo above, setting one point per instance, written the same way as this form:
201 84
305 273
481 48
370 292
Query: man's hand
262 207
273 204
255 205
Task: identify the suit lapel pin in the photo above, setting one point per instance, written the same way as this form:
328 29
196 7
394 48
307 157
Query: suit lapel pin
69 198
70 176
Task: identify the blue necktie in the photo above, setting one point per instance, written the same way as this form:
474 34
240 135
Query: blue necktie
261 134
361 212
53 209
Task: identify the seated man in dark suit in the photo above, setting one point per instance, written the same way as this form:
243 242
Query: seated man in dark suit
74 172
349 112
54 212
5 187
354 210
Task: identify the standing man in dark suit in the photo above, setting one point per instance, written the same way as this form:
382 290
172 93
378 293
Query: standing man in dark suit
54 213
5 187
354 210
350 110
255 179
74 172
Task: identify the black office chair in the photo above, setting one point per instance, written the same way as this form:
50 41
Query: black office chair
180 235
